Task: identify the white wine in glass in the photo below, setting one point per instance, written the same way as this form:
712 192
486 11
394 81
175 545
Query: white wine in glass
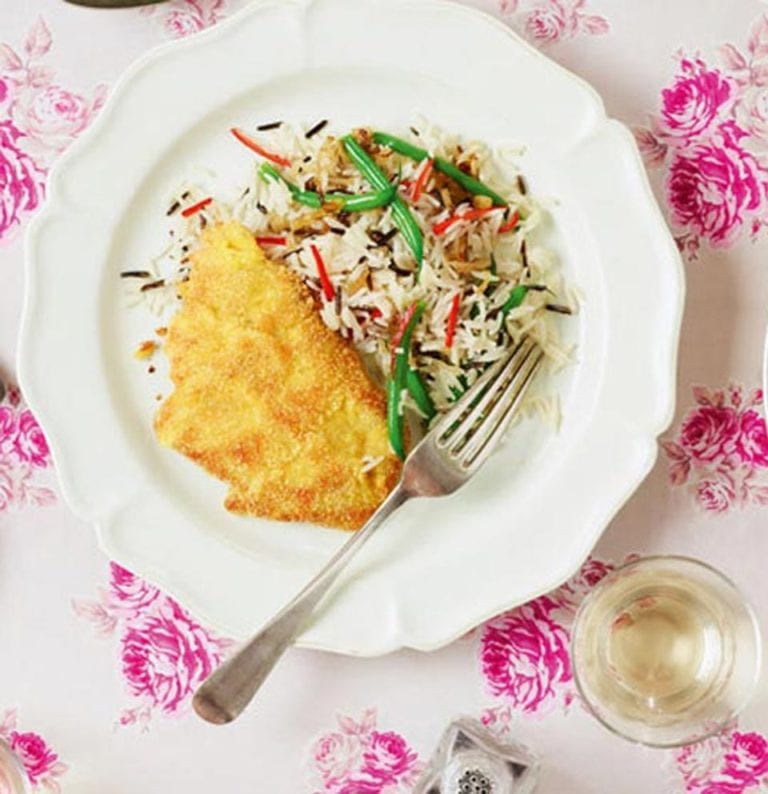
665 651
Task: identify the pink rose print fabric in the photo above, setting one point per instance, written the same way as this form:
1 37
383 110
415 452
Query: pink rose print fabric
358 758
25 459
547 22
20 179
39 760
711 135
39 118
731 763
720 451
524 656
182 18
164 654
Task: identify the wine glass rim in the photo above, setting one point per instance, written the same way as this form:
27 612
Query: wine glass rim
748 609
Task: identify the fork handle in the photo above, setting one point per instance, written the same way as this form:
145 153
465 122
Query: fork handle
226 692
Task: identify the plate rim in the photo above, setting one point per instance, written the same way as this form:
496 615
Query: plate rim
53 205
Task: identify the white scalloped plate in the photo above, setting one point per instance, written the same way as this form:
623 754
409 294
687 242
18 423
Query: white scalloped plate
532 515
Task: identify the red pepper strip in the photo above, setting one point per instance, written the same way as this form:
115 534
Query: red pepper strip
398 335
251 144
453 316
325 282
421 180
511 223
443 226
467 215
193 208
376 313
272 240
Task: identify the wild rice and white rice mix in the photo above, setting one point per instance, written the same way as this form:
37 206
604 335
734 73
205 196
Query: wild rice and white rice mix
423 242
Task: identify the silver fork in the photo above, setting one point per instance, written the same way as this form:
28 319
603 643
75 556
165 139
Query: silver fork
448 456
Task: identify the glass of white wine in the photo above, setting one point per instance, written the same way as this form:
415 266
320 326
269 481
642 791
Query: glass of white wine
665 651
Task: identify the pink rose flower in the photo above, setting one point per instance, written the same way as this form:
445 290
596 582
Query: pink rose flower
751 114
698 97
35 755
131 593
719 785
336 756
362 785
546 24
524 655
21 181
9 428
52 117
179 23
166 656
13 394
5 92
570 594
752 443
700 762
31 446
388 757
709 433
711 185
747 759
716 492
592 572
589 575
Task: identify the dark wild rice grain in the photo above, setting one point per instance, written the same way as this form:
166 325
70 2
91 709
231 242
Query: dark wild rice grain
153 285
272 125
524 257
314 130
558 308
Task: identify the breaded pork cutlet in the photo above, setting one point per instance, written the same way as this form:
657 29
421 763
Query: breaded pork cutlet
267 398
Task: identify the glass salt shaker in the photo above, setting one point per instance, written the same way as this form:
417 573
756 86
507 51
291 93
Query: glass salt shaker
470 760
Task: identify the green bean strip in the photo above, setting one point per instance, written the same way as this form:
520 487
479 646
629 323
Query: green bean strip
306 197
403 350
469 183
399 145
516 297
418 390
394 419
457 393
398 382
402 216
362 201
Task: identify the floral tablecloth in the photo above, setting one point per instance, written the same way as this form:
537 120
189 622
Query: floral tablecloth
97 666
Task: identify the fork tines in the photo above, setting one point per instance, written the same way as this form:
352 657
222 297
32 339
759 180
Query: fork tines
469 431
